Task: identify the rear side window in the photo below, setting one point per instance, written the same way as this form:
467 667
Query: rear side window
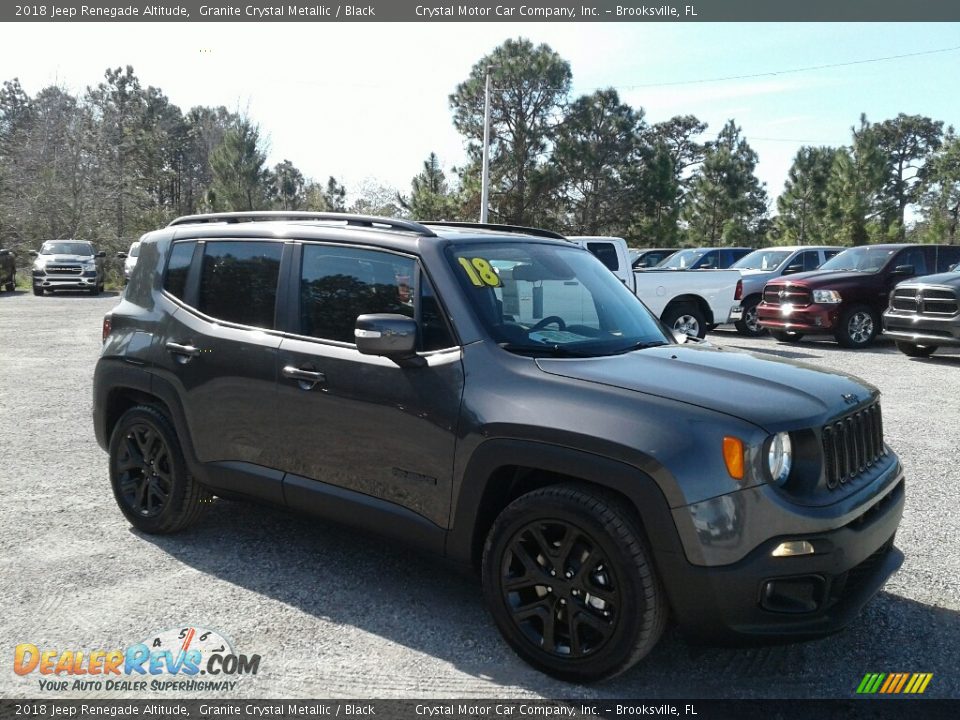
337 284
811 260
178 267
606 253
947 257
238 281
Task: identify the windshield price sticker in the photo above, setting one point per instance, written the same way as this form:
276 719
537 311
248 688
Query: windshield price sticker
480 272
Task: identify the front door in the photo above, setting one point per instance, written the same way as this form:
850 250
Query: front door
361 422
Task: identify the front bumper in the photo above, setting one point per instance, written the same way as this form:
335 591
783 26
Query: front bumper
771 599
84 281
922 329
809 319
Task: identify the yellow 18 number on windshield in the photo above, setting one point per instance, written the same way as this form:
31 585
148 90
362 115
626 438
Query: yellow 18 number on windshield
480 272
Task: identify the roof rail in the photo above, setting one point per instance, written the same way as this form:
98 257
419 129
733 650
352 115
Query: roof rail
366 221
538 232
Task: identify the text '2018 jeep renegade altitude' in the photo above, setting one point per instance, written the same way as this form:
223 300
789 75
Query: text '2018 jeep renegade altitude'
499 397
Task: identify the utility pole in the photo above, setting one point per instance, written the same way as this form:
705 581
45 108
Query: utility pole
485 177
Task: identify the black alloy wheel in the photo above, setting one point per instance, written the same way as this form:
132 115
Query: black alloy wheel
149 476
569 580
560 588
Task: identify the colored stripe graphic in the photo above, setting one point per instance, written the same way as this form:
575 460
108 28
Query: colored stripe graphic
894 683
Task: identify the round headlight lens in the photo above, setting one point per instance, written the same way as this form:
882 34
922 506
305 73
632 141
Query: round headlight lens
780 457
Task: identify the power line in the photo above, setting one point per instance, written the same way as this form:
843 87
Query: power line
788 71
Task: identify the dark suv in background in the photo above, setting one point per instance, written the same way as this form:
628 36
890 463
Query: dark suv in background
847 295
8 271
498 396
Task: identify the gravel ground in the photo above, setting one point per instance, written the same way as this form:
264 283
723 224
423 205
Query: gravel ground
334 613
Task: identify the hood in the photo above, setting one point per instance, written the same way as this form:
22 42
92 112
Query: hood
820 278
951 279
772 393
64 258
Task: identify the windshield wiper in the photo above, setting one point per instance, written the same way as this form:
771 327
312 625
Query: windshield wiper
640 346
550 350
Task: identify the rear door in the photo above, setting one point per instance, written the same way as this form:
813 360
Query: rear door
218 347
360 422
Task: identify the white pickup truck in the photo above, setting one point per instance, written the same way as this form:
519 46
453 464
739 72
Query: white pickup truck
692 301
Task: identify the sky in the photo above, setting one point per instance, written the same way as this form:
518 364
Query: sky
368 102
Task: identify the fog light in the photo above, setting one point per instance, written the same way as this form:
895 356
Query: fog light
793 548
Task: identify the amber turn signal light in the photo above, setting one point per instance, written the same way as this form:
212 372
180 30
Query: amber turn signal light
733 456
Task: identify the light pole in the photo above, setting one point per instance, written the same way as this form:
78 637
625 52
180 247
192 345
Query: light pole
485 177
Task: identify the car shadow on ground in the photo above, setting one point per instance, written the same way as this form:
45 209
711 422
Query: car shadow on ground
13 293
343 577
80 294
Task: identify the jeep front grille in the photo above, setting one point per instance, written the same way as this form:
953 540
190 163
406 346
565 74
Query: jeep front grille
786 294
925 301
64 269
852 444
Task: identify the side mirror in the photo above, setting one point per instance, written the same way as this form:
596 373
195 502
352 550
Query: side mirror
390 336
102 253
122 255
904 270
33 253
791 269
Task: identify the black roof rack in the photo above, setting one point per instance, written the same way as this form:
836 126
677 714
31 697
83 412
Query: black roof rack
538 232
365 221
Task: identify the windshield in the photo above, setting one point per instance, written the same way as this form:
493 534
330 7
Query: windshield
134 249
543 299
66 248
762 260
859 259
682 259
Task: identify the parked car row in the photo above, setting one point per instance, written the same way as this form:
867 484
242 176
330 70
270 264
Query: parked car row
849 295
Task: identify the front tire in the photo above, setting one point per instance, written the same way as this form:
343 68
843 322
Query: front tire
916 351
570 583
749 325
37 290
149 476
858 327
686 318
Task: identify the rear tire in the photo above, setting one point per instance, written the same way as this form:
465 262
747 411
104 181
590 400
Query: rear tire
149 476
686 318
916 351
787 337
570 582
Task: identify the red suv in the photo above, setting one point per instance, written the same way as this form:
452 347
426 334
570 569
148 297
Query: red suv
847 295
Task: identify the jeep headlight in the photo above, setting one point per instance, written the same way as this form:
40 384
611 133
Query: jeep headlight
780 458
826 297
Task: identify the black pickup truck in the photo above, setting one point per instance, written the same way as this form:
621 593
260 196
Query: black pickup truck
924 313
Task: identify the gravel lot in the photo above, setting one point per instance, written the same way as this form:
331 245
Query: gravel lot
334 613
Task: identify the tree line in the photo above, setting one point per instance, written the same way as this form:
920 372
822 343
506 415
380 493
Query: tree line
121 159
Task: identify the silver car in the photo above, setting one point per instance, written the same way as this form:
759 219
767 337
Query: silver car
129 260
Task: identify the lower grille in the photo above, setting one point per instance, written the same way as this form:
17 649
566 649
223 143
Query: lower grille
852 444
856 576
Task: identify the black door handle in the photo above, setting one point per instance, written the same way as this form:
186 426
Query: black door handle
183 353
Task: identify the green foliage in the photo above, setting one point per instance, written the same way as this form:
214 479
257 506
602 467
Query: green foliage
940 193
530 86
726 201
240 181
803 213
855 191
430 195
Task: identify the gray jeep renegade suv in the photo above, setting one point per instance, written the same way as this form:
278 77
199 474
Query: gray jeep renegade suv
496 395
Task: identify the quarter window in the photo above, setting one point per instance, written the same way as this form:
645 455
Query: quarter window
947 257
178 268
337 284
238 281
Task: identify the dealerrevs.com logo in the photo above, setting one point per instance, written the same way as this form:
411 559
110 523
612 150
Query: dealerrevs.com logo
182 659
